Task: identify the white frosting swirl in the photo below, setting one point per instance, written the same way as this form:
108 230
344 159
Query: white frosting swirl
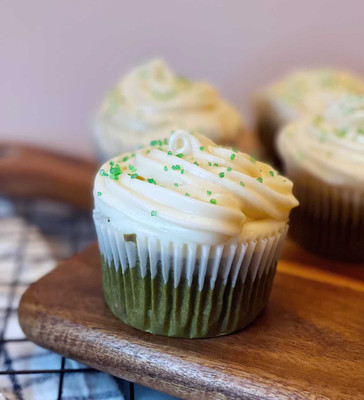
189 189
311 91
151 100
329 145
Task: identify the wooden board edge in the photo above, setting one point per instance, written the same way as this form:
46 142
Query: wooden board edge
140 366
315 274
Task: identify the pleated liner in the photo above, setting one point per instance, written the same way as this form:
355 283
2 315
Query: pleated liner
329 220
182 289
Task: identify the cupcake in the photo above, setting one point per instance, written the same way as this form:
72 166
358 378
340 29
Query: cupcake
189 235
299 93
152 100
324 156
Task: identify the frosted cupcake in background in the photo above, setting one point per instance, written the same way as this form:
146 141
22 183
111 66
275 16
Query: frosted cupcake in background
151 100
299 93
189 235
324 156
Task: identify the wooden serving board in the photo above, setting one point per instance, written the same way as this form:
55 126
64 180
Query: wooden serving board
308 344
33 172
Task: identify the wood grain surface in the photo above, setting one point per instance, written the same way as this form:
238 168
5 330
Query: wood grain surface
32 172
308 344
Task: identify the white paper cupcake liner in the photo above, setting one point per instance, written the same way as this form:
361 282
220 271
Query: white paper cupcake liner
240 273
330 219
207 262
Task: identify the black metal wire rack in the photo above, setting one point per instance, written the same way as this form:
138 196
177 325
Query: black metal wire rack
27 372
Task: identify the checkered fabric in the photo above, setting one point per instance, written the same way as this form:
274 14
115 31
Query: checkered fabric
34 236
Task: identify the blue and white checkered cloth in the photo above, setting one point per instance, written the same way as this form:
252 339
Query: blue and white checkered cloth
34 236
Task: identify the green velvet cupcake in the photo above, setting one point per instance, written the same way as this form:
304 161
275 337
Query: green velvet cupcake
324 156
189 235
151 100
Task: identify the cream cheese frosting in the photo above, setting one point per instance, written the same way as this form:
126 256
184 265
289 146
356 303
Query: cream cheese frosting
152 100
187 188
329 145
311 91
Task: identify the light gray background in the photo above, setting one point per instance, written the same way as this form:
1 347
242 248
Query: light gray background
57 58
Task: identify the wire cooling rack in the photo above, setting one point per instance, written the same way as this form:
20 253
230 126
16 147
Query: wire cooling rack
34 236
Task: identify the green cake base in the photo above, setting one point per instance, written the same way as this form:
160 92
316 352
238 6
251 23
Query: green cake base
154 306
330 239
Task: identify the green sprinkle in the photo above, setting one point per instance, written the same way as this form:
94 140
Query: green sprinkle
271 173
115 172
156 142
232 157
209 192
176 167
187 194
126 158
103 172
131 168
165 168
132 155
213 201
153 213
148 151
260 179
112 163
182 171
317 120
341 133
165 141
133 176
115 176
228 169
169 153
196 163
164 96
202 148
253 160
176 184
99 193
322 139
151 180
180 155
216 164
242 183
221 174
209 164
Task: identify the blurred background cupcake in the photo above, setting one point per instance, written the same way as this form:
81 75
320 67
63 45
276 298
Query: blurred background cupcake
151 101
189 234
300 92
324 156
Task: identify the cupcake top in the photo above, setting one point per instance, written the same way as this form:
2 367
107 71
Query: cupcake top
187 188
152 100
310 91
329 145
